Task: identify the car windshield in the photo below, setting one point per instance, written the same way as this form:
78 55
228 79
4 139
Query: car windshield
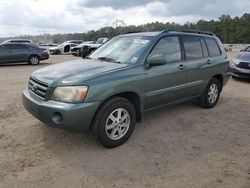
61 45
99 41
122 49
247 49
84 43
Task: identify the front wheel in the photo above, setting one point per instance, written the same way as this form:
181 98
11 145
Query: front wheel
211 95
114 122
58 52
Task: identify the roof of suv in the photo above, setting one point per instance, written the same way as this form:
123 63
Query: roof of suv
167 31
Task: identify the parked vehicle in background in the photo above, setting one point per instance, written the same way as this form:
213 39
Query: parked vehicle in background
41 44
22 52
130 74
87 49
240 65
17 41
64 48
76 50
74 41
52 44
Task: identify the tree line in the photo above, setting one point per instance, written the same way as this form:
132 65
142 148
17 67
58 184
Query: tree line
228 29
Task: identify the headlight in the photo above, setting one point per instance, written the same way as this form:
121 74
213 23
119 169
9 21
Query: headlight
236 61
70 94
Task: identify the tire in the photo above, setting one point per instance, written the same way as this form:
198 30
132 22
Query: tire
110 130
58 52
211 95
34 60
234 77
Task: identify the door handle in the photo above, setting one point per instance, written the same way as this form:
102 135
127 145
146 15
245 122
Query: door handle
208 61
181 67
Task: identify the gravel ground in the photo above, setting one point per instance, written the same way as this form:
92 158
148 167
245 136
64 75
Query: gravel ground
175 146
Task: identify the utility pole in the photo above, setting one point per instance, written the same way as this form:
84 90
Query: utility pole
117 22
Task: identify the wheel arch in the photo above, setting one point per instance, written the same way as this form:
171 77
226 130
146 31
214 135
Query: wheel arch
129 95
33 55
219 77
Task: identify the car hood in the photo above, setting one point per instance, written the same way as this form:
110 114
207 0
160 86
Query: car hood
93 45
53 48
71 72
244 56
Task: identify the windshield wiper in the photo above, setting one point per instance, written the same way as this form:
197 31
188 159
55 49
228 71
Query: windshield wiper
108 59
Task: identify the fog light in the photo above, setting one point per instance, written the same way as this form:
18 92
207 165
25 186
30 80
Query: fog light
57 118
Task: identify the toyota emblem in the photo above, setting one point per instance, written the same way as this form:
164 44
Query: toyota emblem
34 87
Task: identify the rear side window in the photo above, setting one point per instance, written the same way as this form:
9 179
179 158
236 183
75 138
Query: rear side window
169 47
192 46
213 47
204 48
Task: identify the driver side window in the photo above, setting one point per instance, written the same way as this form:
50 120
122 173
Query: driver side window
169 48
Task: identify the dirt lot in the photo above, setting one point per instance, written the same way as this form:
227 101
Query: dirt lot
177 146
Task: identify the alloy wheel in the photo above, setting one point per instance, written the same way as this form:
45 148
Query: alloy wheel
213 93
117 124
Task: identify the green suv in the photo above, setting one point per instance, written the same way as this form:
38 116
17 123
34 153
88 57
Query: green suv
109 91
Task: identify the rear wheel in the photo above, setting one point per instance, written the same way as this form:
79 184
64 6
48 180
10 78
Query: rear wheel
114 122
34 60
211 95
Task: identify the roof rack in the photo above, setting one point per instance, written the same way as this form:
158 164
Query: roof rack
189 31
129 32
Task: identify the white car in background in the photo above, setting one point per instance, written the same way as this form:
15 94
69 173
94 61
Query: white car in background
76 50
89 48
64 48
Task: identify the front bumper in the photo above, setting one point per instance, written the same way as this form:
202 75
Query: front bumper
52 51
61 115
239 72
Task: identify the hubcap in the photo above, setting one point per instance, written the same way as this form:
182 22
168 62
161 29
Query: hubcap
213 93
34 60
117 124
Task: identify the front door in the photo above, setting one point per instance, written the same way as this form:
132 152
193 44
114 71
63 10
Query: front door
166 83
18 52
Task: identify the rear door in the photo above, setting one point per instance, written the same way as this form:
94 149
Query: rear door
203 58
197 63
166 83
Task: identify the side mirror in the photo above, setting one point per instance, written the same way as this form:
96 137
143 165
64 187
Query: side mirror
156 60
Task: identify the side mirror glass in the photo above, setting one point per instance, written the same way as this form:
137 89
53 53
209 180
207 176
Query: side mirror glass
156 60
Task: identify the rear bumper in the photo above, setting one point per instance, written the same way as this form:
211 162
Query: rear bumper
44 56
61 115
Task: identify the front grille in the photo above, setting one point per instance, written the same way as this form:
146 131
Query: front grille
38 87
244 65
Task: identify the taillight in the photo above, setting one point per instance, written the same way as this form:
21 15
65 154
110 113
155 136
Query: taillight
45 50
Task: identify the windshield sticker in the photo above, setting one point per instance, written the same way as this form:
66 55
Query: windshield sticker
140 41
134 59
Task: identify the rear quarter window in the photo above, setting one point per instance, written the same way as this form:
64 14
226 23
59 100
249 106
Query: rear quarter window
213 47
192 46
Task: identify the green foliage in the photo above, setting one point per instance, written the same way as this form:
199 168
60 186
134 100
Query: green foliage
229 30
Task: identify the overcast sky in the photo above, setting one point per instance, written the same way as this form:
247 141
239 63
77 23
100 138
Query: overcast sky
18 17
